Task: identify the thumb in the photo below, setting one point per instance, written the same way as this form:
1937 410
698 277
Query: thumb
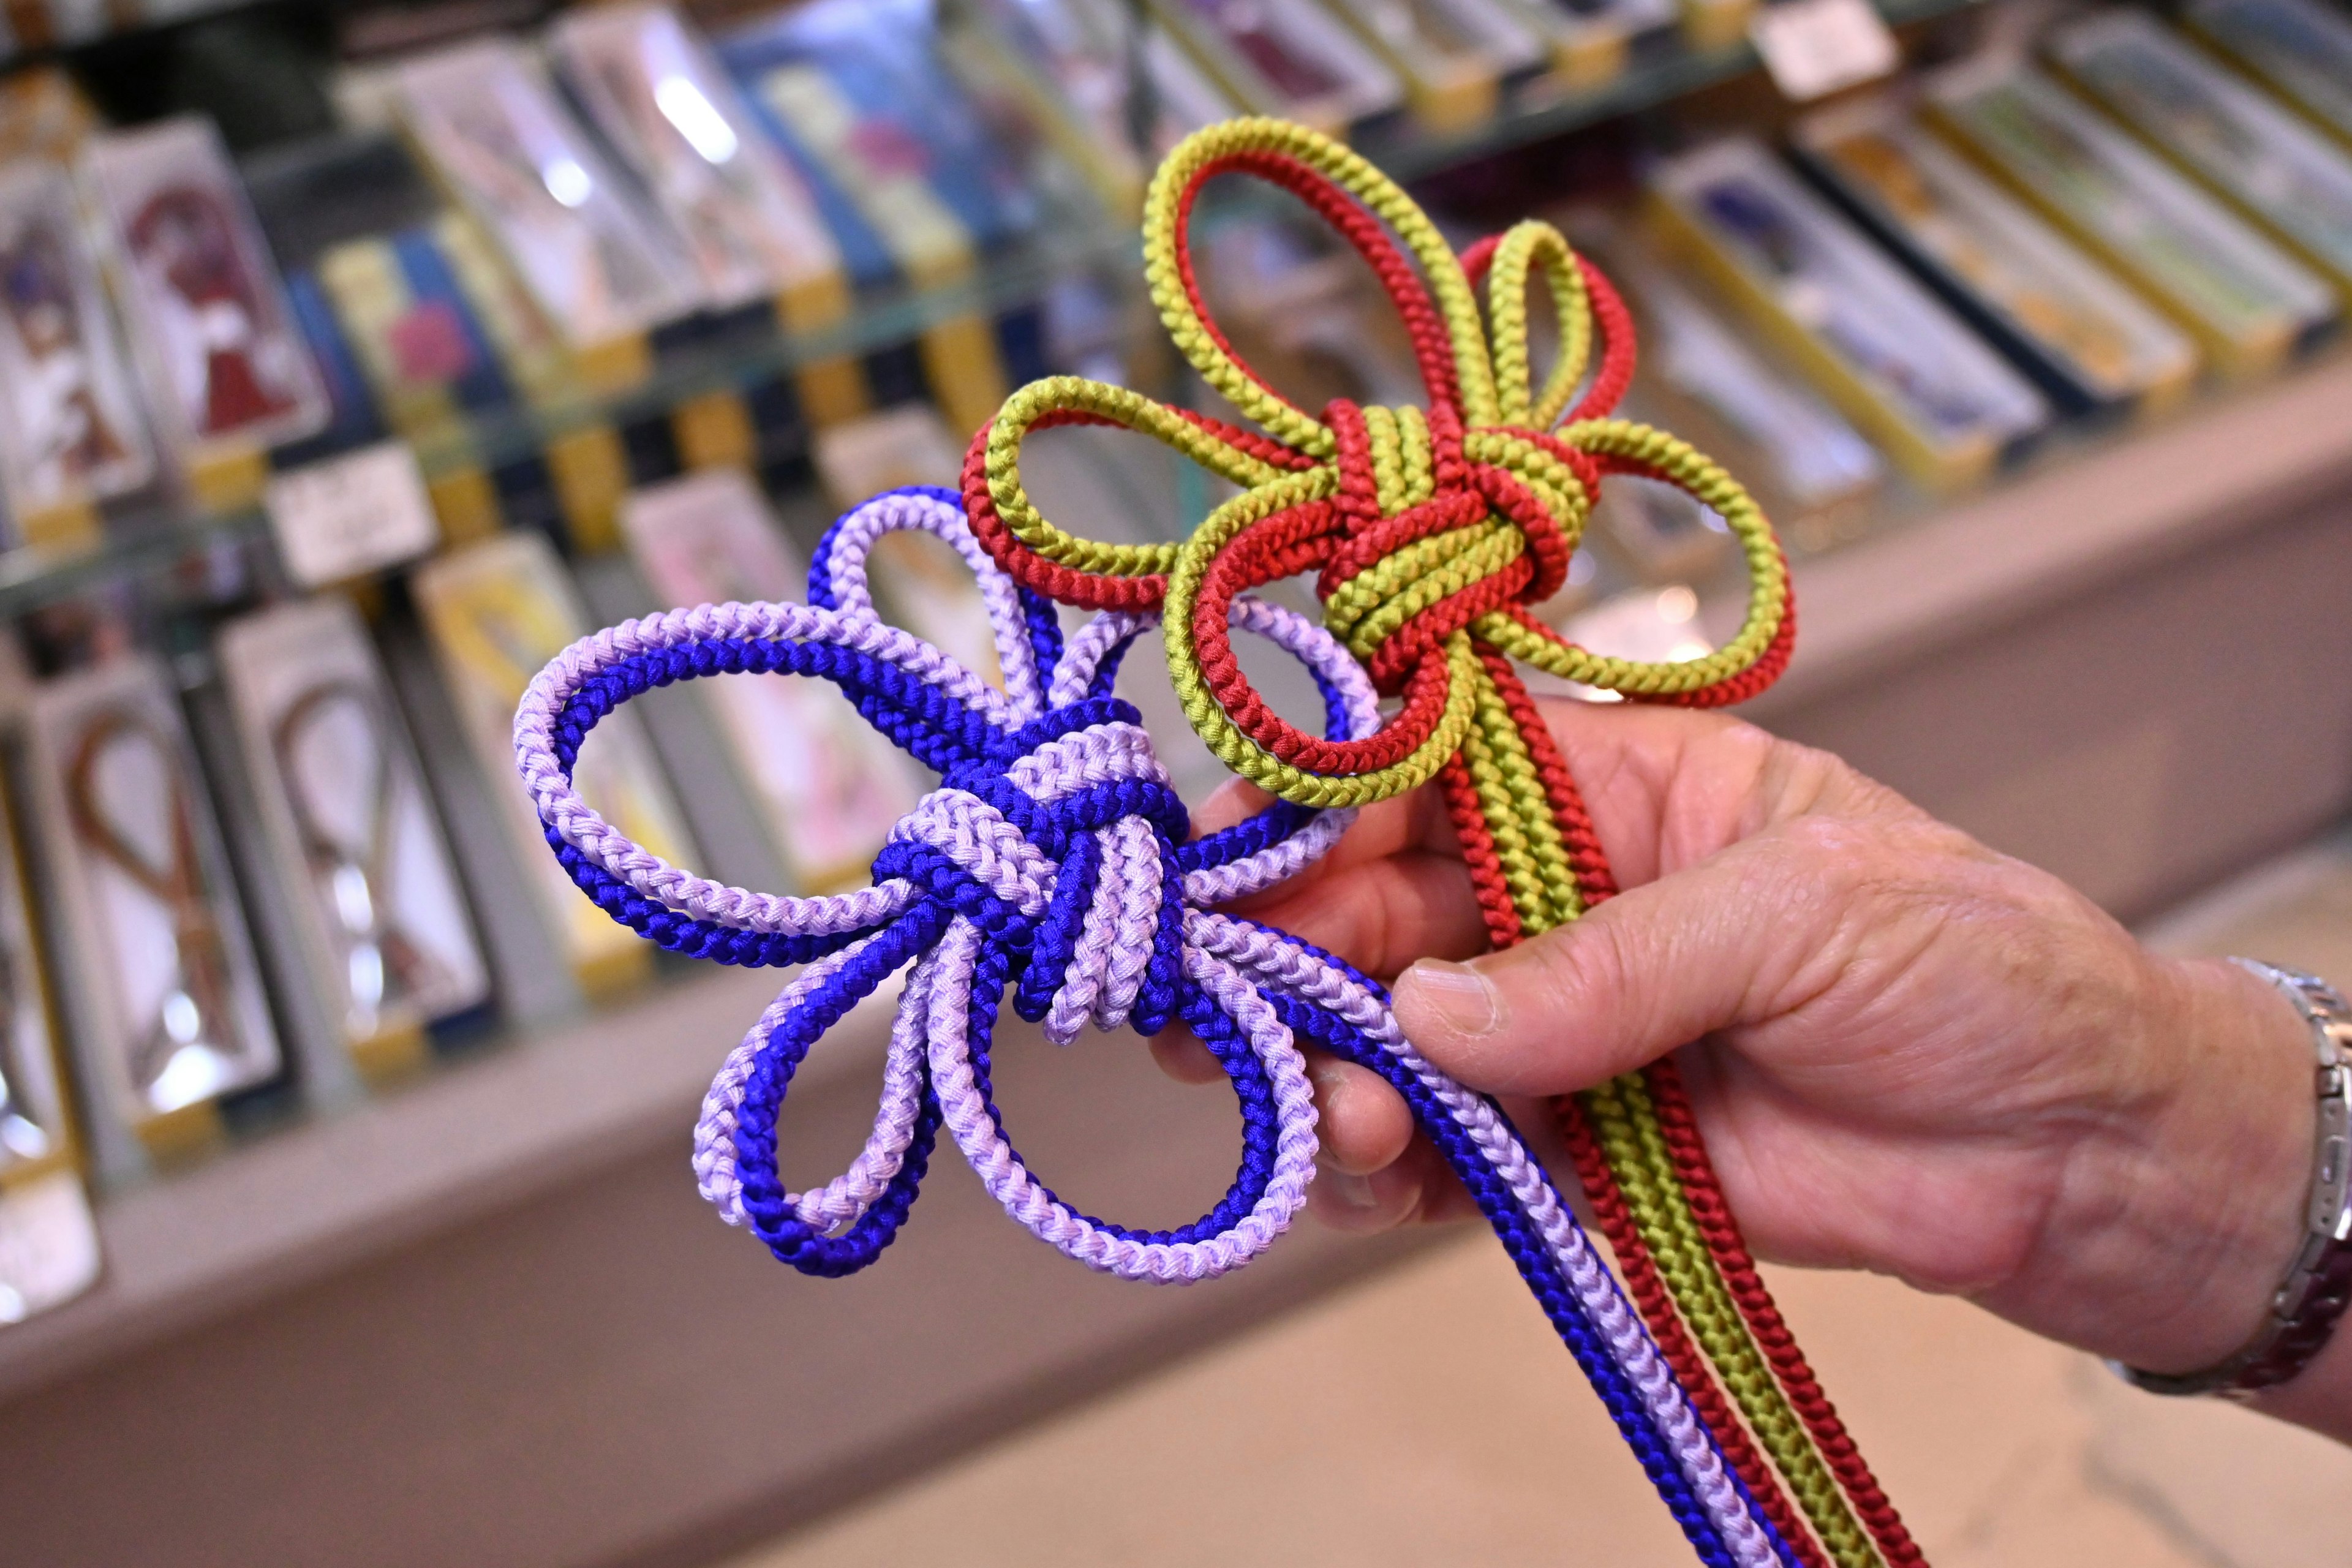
1726 943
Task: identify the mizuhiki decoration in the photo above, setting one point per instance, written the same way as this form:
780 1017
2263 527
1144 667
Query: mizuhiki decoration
1055 863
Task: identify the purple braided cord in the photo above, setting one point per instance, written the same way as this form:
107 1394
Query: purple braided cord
968 831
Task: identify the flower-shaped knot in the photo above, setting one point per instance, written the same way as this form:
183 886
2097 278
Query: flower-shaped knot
1067 853
1432 533
1054 865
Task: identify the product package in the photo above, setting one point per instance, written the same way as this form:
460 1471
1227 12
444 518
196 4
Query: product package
829 787
2300 49
1289 57
496 612
930 590
2088 342
749 224
227 373
71 434
1076 54
156 968
596 260
1889 353
915 184
2246 302
1703 375
388 949
48 1240
1454 56
2267 162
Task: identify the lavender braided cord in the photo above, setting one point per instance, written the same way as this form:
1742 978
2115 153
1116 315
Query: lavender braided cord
1055 852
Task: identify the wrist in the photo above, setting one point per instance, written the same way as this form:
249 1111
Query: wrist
2179 1215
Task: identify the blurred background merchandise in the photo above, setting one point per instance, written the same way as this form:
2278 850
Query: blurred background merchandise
356 356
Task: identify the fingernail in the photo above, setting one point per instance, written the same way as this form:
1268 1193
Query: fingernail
1464 1000
1348 1191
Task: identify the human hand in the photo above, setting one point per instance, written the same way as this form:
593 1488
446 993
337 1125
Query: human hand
1908 1054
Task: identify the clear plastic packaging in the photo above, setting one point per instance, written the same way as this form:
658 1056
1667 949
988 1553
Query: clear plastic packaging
496 612
228 374
71 432
654 90
387 946
2247 303
2301 48
157 969
1900 364
2269 162
597 261
2087 338
1287 58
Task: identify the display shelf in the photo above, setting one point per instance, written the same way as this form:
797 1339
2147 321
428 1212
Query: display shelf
1662 68
1072 241
520 1118
496 1128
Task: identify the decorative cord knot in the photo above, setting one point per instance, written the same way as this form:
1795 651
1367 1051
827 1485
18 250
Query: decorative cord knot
1432 535
1063 848
1055 862
1432 542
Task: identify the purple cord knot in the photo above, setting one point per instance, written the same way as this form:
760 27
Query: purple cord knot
1053 868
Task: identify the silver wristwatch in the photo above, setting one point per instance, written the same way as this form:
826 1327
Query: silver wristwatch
2308 1303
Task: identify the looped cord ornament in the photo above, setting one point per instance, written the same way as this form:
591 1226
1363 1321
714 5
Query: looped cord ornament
1055 862
1432 534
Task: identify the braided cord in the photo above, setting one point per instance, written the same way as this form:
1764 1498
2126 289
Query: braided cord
1432 534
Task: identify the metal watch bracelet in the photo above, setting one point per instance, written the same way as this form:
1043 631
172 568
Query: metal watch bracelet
2306 1308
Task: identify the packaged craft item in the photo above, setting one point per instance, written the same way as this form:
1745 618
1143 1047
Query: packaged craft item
388 949
1886 350
228 373
496 611
828 786
596 260
2269 163
2084 338
931 591
1453 55
1055 868
1289 57
71 434
1079 54
48 1241
654 90
913 182
2246 301
1705 376
156 968
450 342
2301 49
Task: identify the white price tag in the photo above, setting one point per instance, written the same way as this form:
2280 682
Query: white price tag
364 511
1815 47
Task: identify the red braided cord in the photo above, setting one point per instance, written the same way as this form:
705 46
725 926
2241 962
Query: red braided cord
1613 323
1432 345
1642 1282
1679 1127
1697 1172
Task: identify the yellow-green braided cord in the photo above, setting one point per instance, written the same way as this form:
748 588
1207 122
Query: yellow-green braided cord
1501 411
